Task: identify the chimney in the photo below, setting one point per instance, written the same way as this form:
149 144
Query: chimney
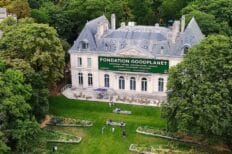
100 30
113 22
175 30
131 23
123 24
182 23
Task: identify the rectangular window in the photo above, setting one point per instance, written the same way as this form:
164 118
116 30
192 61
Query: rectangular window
89 62
121 82
107 80
80 78
90 79
161 85
79 61
132 83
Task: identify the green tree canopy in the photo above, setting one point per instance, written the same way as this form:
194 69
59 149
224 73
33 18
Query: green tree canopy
217 13
143 11
170 9
17 126
201 102
207 22
36 50
36 44
19 7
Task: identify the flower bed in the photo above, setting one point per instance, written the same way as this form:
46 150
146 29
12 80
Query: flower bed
69 122
164 134
151 130
119 111
113 123
60 137
147 149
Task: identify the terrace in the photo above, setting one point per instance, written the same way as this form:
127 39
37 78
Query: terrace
116 96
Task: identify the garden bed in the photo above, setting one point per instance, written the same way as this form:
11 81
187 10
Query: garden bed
119 111
60 137
113 123
69 122
171 136
147 149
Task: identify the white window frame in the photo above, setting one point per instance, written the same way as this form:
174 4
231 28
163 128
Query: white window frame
121 83
161 84
106 80
144 84
79 61
90 79
89 62
80 79
132 83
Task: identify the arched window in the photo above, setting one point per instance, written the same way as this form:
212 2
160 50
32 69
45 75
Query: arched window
80 78
107 80
132 83
90 79
121 82
161 84
144 84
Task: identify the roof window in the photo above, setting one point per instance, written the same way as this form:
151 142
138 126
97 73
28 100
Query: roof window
84 44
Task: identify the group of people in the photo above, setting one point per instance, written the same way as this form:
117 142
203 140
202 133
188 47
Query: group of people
111 103
113 129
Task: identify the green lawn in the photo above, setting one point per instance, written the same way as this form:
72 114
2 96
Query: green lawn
93 141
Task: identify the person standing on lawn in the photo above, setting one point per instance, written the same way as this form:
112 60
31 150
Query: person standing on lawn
103 128
124 133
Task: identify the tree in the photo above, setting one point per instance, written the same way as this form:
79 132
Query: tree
19 7
3 146
17 126
37 45
170 9
69 17
201 102
40 15
207 22
7 23
217 13
142 11
34 4
4 3
35 50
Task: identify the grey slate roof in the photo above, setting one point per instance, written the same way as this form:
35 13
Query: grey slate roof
192 34
153 39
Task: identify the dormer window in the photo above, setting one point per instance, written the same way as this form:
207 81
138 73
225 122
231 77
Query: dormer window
185 49
84 44
107 47
162 50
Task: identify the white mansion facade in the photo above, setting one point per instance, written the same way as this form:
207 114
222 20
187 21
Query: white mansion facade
132 59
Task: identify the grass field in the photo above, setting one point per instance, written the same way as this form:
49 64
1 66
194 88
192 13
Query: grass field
93 141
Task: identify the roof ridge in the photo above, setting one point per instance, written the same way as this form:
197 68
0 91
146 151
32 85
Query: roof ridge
96 19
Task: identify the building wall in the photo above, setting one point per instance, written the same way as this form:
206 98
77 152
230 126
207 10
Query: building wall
98 75
3 14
